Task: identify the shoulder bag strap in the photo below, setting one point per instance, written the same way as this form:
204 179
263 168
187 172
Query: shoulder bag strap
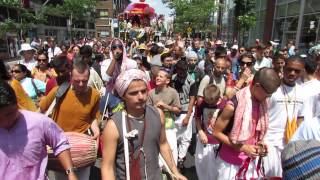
51 107
38 92
125 144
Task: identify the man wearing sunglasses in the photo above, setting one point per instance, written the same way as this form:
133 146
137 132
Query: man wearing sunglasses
286 107
119 62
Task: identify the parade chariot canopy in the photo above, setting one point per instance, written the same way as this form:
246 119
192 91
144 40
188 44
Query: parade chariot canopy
140 9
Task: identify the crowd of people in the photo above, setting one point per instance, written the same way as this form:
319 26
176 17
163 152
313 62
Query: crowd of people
252 109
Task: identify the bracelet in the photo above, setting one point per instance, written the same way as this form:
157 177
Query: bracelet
69 170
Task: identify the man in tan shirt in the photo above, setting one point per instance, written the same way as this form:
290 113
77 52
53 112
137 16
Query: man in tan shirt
79 109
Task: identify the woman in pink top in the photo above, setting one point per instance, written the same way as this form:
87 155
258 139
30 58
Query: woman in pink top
242 126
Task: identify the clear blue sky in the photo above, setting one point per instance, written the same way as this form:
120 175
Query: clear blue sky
159 7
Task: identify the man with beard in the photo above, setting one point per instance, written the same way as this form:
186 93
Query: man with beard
285 108
119 62
62 67
78 111
187 90
167 60
215 77
193 70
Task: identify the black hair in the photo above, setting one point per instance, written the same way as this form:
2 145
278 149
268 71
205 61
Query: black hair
98 57
24 69
183 65
310 65
4 74
145 63
299 58
247 55
154 50
86 51
60 61
7 95
220 50
164 56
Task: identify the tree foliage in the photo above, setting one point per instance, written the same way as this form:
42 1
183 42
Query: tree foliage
78 9
192 13
26 18
244 15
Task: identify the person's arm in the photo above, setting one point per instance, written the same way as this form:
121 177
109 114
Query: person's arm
165 150
192 100
203 83
164 106
47 100
55 138
220 125
230 92
65 160
202 135
111 67
110 141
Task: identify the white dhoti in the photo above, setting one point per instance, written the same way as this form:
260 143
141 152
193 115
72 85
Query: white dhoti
227 171
272 162
184 135
206 161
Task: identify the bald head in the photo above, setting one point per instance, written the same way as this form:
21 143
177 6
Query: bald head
268 78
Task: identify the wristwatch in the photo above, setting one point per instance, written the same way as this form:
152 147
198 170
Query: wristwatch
69 170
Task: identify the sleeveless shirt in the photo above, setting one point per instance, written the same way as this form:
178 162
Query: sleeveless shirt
151 143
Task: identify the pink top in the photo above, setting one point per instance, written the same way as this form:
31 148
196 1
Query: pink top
232 156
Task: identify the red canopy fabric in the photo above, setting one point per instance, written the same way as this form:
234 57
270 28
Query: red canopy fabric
140 9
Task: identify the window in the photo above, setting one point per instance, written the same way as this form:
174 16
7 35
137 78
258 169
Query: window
102 13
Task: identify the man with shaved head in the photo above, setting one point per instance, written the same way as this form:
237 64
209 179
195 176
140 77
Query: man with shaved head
242 126
286 108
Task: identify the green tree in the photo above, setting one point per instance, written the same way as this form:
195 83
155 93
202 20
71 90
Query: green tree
74 10
26 18
244 17
192 13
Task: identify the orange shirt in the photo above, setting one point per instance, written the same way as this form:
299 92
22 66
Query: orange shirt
76 112
24 101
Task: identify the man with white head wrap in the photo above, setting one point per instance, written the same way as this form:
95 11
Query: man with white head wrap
146 137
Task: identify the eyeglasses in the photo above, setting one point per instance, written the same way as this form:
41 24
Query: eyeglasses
115 46
16 71
245 63
42 60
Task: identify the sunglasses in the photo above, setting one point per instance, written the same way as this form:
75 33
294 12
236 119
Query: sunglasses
16 71
245 63
42 60
115 46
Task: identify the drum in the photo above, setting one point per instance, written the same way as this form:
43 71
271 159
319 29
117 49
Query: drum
83 152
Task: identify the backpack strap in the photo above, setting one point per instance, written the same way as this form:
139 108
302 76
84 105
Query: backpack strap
60 94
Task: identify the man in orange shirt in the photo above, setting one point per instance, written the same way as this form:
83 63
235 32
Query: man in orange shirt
79 109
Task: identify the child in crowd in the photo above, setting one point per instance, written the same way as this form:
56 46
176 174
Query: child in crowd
206 113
